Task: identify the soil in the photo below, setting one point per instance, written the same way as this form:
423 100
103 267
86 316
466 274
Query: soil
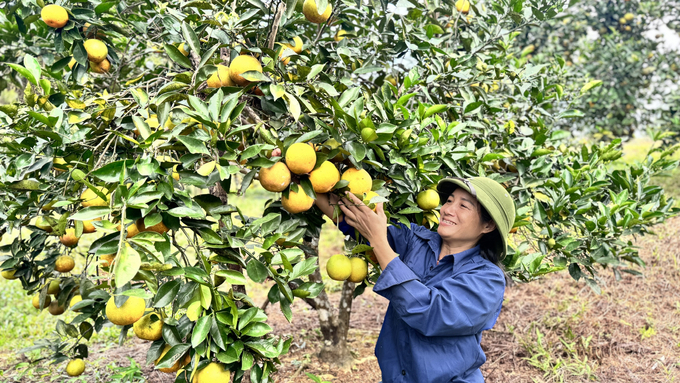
551 330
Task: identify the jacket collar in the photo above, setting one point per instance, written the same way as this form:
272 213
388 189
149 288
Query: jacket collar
435 241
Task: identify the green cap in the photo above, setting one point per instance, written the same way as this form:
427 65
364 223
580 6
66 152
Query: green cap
490 194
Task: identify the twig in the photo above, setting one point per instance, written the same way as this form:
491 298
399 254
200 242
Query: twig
318 35
275 26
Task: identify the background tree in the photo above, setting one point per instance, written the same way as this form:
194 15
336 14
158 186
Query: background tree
621 44
138 121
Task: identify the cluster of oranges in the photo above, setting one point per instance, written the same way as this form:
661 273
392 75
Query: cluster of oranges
300 159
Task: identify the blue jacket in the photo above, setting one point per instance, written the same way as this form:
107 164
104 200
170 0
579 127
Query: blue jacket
437 312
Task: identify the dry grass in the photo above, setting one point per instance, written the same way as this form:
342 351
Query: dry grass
558 330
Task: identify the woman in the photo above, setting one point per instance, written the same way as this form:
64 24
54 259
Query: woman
444 288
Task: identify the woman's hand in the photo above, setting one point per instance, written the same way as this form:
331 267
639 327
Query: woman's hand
371 225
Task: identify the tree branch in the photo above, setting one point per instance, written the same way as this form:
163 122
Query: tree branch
275 26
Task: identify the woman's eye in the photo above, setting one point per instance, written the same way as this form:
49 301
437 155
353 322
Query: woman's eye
463 205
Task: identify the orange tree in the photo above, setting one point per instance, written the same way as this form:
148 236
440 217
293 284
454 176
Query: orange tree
623 44
138 121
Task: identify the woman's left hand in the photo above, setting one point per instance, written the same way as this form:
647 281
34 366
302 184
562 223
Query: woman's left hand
371 225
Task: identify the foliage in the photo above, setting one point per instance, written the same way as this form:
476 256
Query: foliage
164 150
621 44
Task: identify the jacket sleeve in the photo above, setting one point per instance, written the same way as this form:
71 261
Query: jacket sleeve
464 305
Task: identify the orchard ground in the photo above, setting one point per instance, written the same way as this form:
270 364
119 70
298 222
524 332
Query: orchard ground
551 330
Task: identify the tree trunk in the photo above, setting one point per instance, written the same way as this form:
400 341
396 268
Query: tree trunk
334 323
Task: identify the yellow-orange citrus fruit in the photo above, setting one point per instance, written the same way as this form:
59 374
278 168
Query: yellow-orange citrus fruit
75 367
242 64
74 300
220 78
61 160
182 49
214 372
36 301
102 67
9 274
70 66
130 312
64 264
463 6
55 309
88 227
431 218
312 14
286 59
300 158
145 329
69 239
371 255
107 258
159 228
131 229
324 177
360 181
340 34
368 196
275 178
359 270
91 198
297 202
96 50
53 287
297 45
54 15
41 223
339 267
428 199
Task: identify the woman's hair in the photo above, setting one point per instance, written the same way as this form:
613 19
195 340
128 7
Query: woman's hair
489 243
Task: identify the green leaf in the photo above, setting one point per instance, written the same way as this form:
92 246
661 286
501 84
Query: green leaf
139 293
127 265
195 146
90 213
368 69
79 53
33 66
572 113
257 271
473 106
194 211
191 38
590 85
316 69
177 56
24 72
293 105
166 293
255 76
232 276
357 150
201 330
110 172
257 329
434 109
173 355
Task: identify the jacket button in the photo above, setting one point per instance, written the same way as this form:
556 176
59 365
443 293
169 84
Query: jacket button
431 267
403 372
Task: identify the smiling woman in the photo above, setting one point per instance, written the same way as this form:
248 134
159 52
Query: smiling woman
444 287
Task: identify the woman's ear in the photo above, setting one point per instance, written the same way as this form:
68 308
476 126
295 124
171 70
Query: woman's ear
489 227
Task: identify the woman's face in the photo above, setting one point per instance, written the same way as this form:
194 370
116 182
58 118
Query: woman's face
461 220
